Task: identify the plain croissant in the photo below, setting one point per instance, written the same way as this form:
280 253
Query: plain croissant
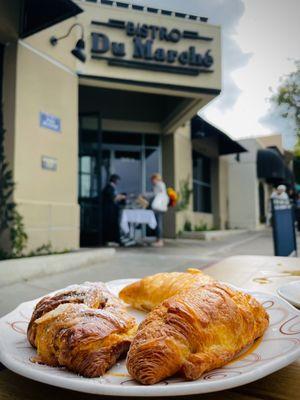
150 291
193 332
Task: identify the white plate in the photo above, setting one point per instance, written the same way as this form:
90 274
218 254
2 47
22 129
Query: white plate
291 292
279 347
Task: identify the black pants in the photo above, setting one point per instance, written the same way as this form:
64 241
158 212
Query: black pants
158 229
297 212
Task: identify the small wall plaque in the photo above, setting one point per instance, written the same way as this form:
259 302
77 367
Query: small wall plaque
49 163
49 121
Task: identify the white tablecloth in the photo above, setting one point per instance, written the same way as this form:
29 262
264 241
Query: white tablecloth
137 217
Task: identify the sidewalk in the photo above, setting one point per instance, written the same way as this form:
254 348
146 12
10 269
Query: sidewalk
138 262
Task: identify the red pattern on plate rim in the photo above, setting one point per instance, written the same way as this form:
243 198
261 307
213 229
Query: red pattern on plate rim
286 328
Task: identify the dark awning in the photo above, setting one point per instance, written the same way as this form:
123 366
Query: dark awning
37 15
201 129
270 166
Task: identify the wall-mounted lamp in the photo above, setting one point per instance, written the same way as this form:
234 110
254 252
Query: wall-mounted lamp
80 45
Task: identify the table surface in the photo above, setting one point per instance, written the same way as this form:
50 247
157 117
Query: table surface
250 272
137 216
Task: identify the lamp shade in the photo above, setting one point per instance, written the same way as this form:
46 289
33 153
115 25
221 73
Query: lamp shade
78 50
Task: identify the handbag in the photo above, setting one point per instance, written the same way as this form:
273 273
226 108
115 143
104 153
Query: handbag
160 202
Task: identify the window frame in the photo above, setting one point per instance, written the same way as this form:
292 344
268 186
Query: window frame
200 184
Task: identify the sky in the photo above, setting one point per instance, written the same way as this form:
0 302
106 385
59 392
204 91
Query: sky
260 40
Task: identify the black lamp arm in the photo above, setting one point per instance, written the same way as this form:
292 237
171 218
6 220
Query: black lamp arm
56 39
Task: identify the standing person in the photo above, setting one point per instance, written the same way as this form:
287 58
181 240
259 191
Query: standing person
292 195
159 204
298 211
280 193
111 200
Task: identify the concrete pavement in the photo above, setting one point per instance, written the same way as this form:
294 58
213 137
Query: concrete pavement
137 262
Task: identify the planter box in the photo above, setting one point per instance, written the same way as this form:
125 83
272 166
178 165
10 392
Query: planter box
211 235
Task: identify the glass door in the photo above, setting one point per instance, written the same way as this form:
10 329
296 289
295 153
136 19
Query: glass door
128 165
134 162
89 179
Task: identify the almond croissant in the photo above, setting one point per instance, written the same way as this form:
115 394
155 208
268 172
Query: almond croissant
86 341
92 294
193 332
150 291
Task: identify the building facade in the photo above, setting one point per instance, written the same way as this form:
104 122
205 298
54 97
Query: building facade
112 89
253 177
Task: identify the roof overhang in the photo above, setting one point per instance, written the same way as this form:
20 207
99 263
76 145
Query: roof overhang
38 15
22 18
201 129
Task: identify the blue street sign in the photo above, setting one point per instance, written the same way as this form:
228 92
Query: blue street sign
50 122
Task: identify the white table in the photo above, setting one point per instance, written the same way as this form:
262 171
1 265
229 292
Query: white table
135 217
250 272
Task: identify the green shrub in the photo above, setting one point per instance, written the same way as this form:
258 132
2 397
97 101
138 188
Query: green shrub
10 219
201 227
184 195
187 227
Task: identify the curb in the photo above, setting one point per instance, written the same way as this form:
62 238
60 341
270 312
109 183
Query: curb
16 270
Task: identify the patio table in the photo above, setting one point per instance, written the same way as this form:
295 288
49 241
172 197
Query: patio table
249 272
136 217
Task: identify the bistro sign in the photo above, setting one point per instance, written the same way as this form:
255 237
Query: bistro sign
145 52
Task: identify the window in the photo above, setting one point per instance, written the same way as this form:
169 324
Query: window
151 165
133 160
201 183
87 177
128 165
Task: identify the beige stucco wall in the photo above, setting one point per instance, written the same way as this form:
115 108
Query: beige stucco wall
183 156
197 219
168 169
183 168
243 188
177 154
271 140
40 77
46 199
243 184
